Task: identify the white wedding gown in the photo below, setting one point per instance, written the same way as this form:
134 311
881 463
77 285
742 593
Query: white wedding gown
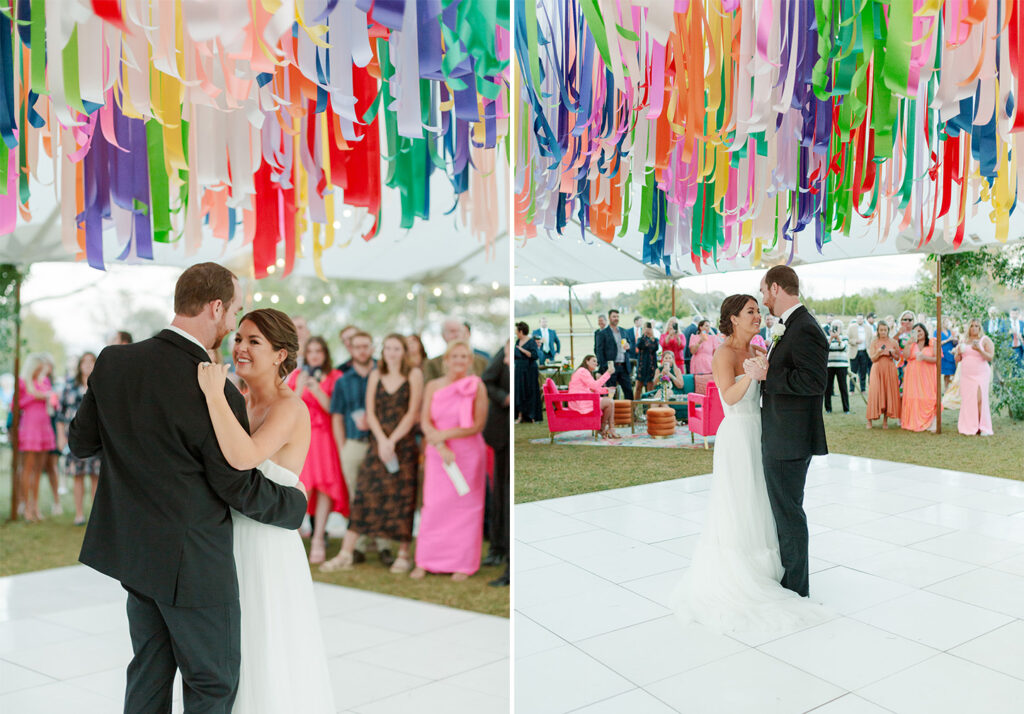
732 583
284 665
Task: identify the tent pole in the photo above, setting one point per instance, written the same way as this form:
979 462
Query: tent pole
673 298
938 347
572 354
16 417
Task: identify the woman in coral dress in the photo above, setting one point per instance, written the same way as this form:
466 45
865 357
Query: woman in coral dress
702 347
919 399
884 382
36 437
583 381
321 474
454 414
672 341
975 352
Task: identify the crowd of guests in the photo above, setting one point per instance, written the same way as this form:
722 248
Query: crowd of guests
384 430
891 361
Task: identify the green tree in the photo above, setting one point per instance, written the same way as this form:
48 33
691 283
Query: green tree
39 335
9 276
655 300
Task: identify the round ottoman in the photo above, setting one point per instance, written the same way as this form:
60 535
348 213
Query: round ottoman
623 413
661 422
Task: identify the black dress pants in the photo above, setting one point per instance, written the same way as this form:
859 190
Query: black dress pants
840 373
861 366
785 481
499 526
202 642
620 378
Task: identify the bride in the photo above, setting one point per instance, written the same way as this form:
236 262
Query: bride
283 663
733 582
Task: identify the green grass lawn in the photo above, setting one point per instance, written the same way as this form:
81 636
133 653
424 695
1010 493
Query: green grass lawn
55 542
550 471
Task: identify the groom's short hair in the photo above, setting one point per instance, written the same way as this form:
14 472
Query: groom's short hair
785 277
200 285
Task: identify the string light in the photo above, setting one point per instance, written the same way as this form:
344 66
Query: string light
382 298
258 297
327 299
337 225
464 289
437 292
271 269
409 296
301 299
347 213
274 299
494 285
280 262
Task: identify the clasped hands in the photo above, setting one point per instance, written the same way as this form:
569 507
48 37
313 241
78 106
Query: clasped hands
756 368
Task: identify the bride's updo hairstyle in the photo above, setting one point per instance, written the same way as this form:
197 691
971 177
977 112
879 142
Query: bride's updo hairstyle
732 306
279 330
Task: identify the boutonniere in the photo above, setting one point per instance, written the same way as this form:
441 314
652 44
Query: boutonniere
778 330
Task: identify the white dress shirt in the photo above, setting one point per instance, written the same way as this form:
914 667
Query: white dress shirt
188 336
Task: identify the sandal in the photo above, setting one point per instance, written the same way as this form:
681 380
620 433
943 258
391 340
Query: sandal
317 553
401 565
342 561
418 574
459 577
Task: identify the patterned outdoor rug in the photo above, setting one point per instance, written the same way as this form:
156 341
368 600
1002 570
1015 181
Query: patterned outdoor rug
680 440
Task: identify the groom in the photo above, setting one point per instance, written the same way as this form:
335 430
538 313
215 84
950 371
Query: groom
160 521
792 430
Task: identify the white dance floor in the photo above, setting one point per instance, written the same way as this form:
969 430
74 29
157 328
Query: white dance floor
64 646
924 568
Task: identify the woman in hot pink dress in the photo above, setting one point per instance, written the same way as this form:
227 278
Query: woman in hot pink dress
454 413
321 474
975 352
582 380
702 347
35 432
919 398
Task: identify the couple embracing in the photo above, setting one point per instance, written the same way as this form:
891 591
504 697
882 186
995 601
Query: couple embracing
197 517
749 570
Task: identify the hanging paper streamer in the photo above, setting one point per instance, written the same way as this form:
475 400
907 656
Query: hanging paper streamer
164 117
735 128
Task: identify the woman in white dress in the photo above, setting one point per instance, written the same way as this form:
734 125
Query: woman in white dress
283 663
733 582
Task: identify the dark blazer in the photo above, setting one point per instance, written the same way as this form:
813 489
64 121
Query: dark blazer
160 522
792 426
553 342
496 379
689 332
606 350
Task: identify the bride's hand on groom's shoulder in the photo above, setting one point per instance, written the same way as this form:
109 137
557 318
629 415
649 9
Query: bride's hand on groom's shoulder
212 378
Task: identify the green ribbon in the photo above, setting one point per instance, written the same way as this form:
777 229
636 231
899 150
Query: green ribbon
158 182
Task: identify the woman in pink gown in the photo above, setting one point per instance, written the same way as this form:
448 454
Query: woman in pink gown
975 353
451 526
35 433
919 398
702 347
321 474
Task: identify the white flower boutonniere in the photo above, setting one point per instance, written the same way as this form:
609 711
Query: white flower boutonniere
778 330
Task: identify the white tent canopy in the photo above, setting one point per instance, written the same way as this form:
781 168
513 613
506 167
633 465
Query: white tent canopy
438 250
571 260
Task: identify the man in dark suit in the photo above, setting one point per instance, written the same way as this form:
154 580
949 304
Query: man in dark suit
601 324
550 345
766 331
496 379
689 332
613 355
792 429
161 523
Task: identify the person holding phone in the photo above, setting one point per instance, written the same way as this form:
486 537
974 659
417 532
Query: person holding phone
884 382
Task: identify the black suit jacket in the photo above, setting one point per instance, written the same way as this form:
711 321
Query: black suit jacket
606 349
160 522
792 426
496 379
689 332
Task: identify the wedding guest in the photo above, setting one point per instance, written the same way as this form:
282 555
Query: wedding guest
71 399
860 336
668 371
948 340
351 428
120 338
1016 328
453 415
583 380
36 437
903 338
302 331
917 412
345 335
638 332
976 353
884 383
453 331
321 474
672 341
528 398
765 333
601 324
613 354
647 362
702 347
689 332
871 323
385 500
550 345
496 381
838 365
417 352
995 324
479 354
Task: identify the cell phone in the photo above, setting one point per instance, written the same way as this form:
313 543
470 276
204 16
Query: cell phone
316 373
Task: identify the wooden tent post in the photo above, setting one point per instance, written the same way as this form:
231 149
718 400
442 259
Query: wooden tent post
572 354
938 345
16 416
673 298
